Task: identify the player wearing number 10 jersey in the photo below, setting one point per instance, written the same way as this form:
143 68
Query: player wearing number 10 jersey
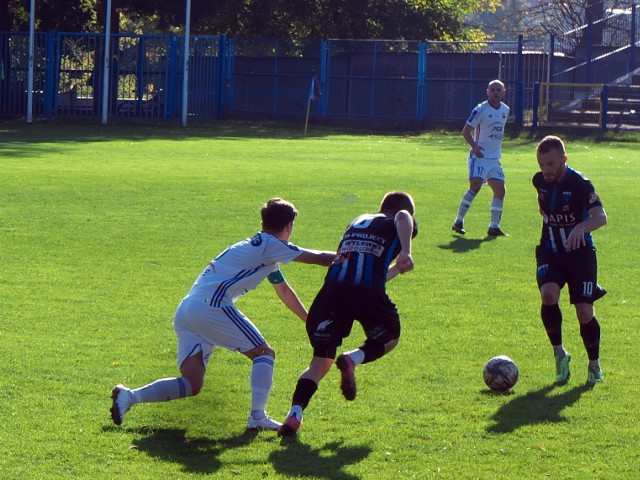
571 210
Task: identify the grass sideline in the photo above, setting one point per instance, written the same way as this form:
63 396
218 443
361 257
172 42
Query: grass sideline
103 230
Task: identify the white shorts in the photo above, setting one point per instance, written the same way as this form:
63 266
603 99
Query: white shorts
485 168
200 327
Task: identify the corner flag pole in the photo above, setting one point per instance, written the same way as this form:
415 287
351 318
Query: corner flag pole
32 22
311 96
107 64
185 65
306 122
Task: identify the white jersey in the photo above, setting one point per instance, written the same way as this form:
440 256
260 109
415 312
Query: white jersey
489 123
240 268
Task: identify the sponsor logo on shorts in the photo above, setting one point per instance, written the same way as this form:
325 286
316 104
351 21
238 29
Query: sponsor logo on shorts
323 325
543 269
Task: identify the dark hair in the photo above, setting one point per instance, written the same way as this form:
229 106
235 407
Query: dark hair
395 201
277 214
550 142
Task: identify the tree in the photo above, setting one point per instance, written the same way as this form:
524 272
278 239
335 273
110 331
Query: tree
568 18
372 19
367 19
60 15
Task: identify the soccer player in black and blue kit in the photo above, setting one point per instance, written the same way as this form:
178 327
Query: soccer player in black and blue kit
354 290
571 210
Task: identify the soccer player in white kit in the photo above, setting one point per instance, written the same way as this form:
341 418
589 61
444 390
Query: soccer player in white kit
207 317
483 131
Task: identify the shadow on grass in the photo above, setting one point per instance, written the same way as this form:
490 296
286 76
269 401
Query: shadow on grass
196 455
297 459
535 407
462 245
17 134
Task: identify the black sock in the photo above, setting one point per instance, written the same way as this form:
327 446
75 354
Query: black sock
590 333
552 321
372 350
305 389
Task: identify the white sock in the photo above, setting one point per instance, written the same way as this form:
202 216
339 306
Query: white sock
465 204
163 390
496 212
356 355
296 411
261 381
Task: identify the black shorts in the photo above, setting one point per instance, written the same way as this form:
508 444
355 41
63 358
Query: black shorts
334 310
578 269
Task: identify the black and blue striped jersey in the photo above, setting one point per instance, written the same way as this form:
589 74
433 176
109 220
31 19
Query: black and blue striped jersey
563 205
369 245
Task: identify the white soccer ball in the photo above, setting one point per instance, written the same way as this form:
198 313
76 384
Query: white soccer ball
500 373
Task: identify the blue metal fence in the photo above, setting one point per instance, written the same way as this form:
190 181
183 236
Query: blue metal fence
357 79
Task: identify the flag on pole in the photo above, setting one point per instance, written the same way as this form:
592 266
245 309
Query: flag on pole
314 89
314 94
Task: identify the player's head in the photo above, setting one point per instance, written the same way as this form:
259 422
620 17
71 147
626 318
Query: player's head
496 91
393 202
551 142
552 158
277 214
498 85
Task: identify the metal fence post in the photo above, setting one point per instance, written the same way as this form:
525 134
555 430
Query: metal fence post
422 69
220 76
140 69
551 59
604 97
171 77
230 86
632 39
324 96
536 105
50 84
520 84
589 50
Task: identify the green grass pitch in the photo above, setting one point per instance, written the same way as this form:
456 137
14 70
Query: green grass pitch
104 228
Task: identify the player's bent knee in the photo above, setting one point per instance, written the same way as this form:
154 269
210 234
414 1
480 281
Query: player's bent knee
475 184
264 349
195 389
391 345
549 294
195 382
584 312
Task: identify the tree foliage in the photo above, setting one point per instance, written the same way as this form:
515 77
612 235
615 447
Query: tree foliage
372 19
534 18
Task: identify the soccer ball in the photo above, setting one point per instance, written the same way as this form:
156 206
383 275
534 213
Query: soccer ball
500 373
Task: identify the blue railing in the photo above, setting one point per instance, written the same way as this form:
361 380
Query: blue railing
358 79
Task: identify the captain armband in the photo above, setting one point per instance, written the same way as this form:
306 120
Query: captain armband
276 277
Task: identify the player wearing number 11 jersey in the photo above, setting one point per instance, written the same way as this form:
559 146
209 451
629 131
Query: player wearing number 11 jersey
483 131
375 248
571 210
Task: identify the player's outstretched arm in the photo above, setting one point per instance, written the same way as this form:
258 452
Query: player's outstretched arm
316 257
289 297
